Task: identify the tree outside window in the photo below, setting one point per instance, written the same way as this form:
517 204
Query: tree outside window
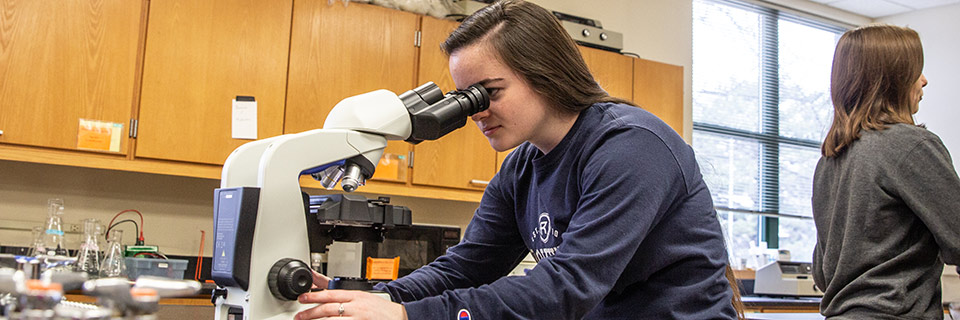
761 106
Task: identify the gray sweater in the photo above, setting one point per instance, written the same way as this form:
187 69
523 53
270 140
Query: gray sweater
887 212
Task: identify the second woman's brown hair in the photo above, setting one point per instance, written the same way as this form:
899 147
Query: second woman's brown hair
874 70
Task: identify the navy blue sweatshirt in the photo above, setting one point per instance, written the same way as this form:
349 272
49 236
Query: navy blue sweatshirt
618 217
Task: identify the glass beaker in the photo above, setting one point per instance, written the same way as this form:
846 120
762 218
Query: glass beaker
88 260
37 247
113 264
53 236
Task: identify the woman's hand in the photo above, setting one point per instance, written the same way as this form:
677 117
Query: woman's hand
349 304
320 281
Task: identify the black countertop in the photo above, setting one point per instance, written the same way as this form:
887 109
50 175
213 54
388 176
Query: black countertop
784 316
759 301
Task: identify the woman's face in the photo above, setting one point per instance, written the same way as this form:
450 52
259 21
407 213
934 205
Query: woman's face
516 112
916 94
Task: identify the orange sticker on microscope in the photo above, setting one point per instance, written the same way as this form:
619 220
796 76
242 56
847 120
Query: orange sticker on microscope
383 268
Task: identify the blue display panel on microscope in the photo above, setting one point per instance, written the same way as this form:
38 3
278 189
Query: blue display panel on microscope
234 216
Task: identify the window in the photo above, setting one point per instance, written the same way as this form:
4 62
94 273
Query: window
761 107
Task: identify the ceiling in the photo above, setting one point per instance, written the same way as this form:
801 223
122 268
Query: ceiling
882 8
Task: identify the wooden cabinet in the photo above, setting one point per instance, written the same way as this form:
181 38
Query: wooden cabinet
177 71
463 158
340 51
62 61
199 56
613 71
658 88
654 86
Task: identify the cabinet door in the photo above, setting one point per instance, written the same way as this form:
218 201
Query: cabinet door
339 51
613 71
66 60
200 55
463 158
658 88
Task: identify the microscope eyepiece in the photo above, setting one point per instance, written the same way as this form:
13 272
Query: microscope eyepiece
432 118
477 94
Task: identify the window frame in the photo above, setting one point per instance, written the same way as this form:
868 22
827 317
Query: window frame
769 138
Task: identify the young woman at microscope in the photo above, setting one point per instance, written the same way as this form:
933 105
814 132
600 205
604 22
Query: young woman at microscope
885 192
607 198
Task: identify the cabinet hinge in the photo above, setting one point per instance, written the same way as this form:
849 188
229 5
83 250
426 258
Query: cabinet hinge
416 39
410 159
133 128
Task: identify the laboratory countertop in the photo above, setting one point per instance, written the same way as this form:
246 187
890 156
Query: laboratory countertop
784 316
784 302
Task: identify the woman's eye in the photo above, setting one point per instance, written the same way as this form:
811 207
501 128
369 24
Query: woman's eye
493 91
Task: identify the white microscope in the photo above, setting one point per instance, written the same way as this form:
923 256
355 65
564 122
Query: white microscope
260 220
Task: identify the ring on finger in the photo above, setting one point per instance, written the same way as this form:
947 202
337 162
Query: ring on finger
340 310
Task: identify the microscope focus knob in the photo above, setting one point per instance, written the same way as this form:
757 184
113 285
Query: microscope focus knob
289 278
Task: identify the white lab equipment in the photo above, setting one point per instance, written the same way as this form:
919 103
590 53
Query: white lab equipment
261 252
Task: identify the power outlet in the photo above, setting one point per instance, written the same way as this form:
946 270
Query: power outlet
73 228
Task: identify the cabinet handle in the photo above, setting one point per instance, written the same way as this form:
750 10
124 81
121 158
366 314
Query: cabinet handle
479 182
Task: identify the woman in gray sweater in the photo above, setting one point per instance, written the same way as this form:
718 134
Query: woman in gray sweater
886 197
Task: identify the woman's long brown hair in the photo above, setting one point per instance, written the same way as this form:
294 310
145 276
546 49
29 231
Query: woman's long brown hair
874 70
736 300
529 39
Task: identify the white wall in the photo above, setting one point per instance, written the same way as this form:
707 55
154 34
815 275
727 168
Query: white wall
939 30
820 10
175 209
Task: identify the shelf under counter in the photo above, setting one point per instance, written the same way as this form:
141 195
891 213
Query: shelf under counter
784 316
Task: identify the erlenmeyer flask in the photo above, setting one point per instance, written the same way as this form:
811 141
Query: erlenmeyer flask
53 236
89 258
113 264
37 247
